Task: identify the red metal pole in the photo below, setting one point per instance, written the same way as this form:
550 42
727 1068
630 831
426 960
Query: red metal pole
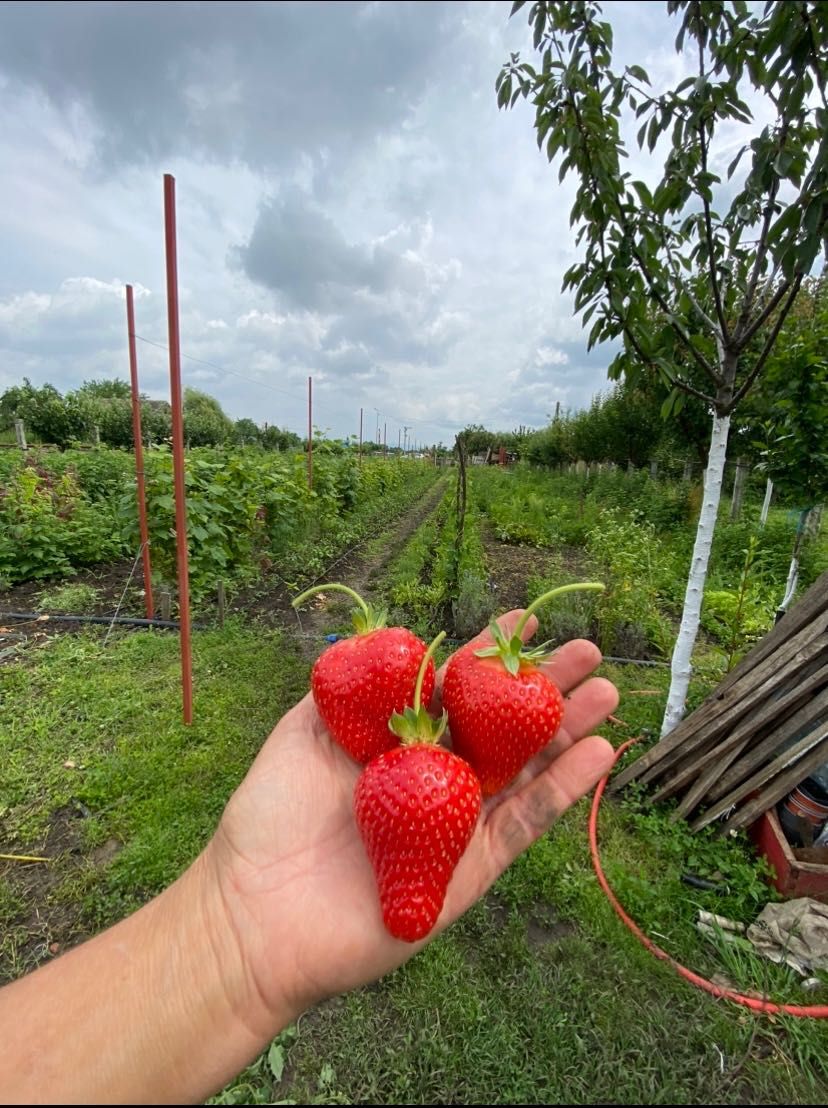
310 433
178 447
360 436
139 455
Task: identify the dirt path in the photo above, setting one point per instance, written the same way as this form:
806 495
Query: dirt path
361 572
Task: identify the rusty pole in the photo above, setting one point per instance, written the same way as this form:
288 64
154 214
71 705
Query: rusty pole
178 447
139 455
310 432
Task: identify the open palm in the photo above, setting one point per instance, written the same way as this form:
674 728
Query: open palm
295 871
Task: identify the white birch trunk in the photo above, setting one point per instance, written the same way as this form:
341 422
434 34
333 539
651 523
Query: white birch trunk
766 503
790 587
689 629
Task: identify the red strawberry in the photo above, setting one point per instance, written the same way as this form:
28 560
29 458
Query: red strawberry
358 683
416 808
502 709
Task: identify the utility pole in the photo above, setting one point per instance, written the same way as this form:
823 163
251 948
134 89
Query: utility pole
405 439
378 415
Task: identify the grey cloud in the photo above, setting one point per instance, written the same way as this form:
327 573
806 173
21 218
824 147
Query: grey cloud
263 83
297 250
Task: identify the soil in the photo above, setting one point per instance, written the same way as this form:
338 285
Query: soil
511 566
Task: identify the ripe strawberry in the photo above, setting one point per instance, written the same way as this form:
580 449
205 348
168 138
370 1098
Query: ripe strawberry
502 709
416 808
358 683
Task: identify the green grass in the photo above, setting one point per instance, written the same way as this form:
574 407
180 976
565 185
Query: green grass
75 597
98 731
539 995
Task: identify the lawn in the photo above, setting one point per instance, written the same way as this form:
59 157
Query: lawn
538 995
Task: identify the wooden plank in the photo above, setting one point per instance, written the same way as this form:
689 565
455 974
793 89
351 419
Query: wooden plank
721 710
731 747
806 610
814 710
779 788
798 754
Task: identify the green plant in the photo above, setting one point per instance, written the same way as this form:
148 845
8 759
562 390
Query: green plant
77 598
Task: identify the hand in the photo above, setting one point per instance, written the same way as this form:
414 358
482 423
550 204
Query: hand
296 884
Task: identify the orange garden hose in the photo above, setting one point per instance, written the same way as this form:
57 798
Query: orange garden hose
815 1011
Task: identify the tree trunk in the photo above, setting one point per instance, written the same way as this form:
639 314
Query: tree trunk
766 503
688 470
20 433
793 571
689 629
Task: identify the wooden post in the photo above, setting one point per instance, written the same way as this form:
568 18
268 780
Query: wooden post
165 603
221 602
738 489
688 470
139 454
174 344
653 469
20 434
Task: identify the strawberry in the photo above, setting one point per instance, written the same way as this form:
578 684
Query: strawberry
416 808
358 683
502 708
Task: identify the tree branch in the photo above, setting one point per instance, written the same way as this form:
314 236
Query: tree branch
765 314
771 339
708 221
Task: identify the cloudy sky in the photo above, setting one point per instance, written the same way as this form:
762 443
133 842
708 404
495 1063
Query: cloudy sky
351 205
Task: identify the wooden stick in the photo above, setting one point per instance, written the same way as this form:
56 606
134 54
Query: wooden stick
779 789
798 757
723 708
757 720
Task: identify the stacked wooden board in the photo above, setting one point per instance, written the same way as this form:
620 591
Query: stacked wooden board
761 733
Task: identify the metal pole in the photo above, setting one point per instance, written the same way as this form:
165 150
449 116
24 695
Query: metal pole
399 438
360 436
310 432
385 440
139 456
178 446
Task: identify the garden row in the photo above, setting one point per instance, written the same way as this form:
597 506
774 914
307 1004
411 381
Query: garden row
248 510
625 529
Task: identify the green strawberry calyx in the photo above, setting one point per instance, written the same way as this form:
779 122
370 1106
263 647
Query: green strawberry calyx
414 724
512 651
366 617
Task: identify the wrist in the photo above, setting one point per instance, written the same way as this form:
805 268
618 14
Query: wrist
228 973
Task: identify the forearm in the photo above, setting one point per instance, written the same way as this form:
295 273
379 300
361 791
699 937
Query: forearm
157 1009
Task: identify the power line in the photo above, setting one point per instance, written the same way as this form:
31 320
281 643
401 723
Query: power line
275 388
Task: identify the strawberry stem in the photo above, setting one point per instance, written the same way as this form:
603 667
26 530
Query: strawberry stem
585 586
512 651
366 618
429 654
414 724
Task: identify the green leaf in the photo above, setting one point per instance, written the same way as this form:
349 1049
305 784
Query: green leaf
276 1060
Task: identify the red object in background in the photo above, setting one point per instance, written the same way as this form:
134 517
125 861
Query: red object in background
178 447
501 456
793 878
139 455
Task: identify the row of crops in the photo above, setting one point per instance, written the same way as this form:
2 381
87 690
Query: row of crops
249 511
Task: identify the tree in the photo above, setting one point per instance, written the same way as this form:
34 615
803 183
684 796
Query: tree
720 266
205 423
115 388
246 432
792 410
